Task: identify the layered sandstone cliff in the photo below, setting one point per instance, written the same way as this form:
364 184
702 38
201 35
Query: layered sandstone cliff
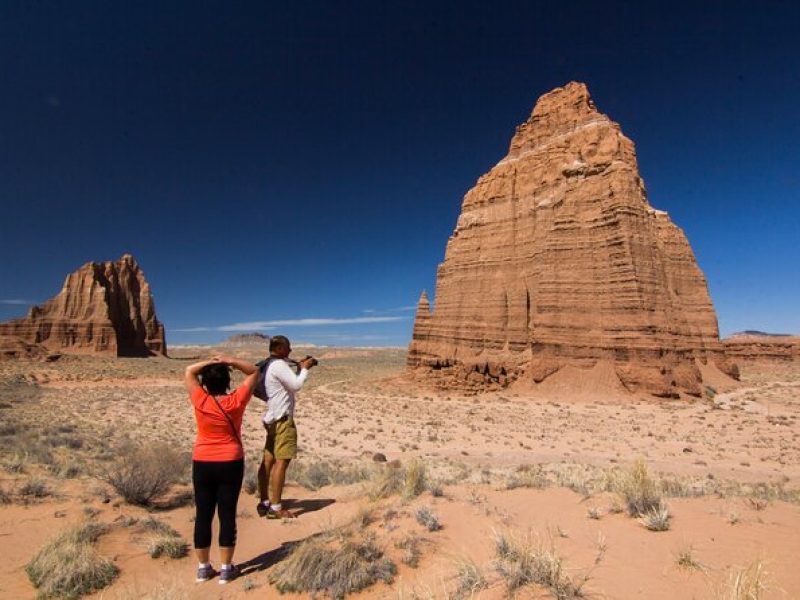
104 308
758 347
557 259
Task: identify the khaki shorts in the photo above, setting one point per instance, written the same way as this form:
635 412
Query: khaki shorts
281 439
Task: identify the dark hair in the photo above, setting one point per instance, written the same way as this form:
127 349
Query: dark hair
278 341
216 378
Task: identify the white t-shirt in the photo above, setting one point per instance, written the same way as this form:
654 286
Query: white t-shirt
281 383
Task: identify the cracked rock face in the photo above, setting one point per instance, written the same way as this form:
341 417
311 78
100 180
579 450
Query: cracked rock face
103 308
558 260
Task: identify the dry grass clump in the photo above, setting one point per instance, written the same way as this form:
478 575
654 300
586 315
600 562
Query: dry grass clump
68 565
638 490
171 546
410 482
142 474
685 558
318 474
524 562
415 481
336 562
657 519
527 476
165 540
470 579
748 583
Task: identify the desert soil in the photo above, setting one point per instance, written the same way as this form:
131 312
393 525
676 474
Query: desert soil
501 464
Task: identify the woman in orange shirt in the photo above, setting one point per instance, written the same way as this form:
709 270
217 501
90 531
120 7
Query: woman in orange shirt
218 456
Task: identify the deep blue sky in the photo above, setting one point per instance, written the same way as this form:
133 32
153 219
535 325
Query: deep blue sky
289 160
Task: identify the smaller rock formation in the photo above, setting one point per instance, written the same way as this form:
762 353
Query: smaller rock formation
247 339
760 346
103 308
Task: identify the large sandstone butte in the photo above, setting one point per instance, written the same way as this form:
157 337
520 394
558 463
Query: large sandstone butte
558 263
103 308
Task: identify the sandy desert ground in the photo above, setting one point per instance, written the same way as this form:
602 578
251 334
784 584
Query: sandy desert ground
481 496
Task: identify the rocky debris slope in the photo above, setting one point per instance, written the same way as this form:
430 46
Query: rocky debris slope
103 308
558 259
762 346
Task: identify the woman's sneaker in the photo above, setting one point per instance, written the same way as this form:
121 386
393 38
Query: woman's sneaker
228 574
205 573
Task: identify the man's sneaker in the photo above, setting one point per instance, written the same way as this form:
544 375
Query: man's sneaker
205 573
262 509
228 574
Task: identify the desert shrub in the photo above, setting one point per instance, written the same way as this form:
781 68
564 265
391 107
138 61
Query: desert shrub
364 517
523 562
7 429
336 563
68 565
29 448
527 476
5 496
315 475
435 488
169 545
657 518
427 518
16 462
470 579
34 488
638 490
411 550
143 474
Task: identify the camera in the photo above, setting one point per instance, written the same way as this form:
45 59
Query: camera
314 362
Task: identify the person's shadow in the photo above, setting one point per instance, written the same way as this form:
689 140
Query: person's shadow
301 507
271 557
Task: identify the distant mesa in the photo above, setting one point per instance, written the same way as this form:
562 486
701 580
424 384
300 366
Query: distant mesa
755 332
103 308
247 339
559 269
752 345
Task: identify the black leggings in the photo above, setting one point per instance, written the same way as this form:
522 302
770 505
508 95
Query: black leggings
216 484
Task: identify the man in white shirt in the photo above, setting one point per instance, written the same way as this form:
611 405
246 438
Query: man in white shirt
281 383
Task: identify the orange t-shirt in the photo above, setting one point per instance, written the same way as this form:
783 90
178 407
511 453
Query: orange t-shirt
215 441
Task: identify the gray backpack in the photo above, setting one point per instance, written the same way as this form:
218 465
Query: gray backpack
260 390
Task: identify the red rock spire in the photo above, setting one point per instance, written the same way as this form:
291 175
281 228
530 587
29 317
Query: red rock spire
558 259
